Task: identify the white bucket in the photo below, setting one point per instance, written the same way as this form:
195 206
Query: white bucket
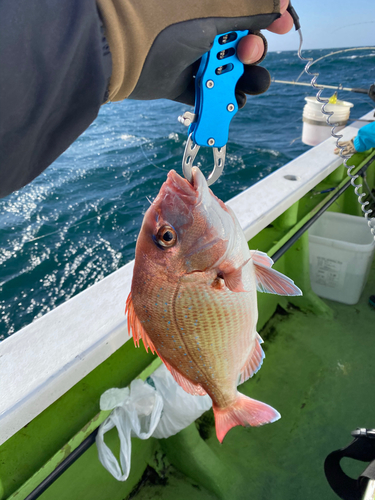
341 252
315 128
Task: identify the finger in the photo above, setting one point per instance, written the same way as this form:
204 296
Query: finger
283 6
240 98
282 25
250 49
254 81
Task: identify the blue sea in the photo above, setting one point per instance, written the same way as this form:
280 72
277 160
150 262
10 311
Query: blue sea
78 221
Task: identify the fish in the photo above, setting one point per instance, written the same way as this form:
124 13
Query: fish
193 298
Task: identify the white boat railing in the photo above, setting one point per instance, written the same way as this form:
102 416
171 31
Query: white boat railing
41 362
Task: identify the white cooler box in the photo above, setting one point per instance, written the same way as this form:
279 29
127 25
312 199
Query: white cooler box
341 252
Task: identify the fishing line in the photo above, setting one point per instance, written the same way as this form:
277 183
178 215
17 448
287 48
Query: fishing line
323 57
294 140
58 231
70 227
61 229
149 161
345 158
162 168
87 220
350 25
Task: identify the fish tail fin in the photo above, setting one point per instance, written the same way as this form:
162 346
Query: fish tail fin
244 411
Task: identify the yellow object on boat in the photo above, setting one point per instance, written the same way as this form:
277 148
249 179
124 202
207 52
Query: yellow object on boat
333 99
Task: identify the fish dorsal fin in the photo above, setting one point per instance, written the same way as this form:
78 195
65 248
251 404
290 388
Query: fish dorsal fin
135 326
187 385
139 332
254 362
271 281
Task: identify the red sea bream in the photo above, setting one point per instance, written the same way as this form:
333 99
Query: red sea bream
193 299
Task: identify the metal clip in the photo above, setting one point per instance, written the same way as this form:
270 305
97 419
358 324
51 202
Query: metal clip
187 118
361 432
190 153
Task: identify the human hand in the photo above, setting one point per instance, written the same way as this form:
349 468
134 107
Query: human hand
175 34
251 48
349 148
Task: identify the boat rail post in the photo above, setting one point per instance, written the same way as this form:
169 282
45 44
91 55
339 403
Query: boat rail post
287 219
297 267
191 455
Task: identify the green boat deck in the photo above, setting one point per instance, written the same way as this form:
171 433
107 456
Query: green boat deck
319 373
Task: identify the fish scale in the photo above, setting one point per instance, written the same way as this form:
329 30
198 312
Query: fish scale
224 315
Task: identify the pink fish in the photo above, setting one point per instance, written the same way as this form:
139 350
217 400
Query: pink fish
193 299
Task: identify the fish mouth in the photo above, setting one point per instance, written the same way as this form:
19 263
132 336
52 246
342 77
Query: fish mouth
180 186
176 185
189 192
178 199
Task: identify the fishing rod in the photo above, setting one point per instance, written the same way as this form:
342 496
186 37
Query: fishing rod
370 92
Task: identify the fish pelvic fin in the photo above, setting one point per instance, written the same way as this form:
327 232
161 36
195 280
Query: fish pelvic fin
186 384
269 280
254 361
135 326
244 411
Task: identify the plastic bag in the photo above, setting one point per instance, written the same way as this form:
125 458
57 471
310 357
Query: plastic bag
136 412
158 407
180 408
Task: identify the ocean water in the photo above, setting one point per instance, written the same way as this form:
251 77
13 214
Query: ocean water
78 221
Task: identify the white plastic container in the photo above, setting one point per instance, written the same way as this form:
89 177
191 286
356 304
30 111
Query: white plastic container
341 252
315 128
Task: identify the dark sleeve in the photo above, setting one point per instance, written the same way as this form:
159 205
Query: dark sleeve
55 67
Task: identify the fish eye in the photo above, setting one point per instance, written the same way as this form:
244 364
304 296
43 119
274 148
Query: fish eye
166 237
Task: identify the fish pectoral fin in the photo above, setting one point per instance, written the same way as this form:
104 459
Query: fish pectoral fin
253 363
134 325
233 277
186 384
261 258
271 281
